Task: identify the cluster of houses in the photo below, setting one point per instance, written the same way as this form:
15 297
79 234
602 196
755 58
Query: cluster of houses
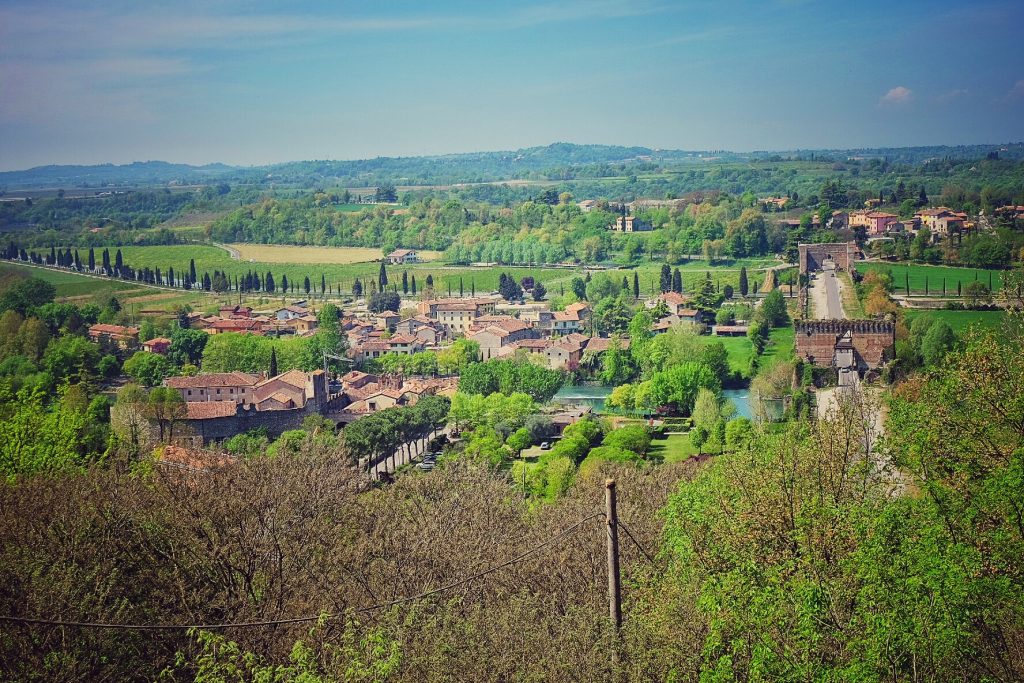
294 319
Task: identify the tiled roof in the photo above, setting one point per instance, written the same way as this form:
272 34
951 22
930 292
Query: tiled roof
213 379
205 410
602 344
113 329
296 378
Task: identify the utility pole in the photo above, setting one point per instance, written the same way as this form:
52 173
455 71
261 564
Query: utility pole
614 585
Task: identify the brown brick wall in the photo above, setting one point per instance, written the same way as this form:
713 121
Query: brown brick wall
873 341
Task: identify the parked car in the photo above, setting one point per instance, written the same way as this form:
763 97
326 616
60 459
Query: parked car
546 446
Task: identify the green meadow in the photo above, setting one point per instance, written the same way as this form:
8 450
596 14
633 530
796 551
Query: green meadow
923 276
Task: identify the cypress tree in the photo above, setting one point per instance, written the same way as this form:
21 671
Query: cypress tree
273 362
92 259
106 261
284 283
677 282
323 284
460 286
666 278
305 285
414 285
382 277
268 283
405 282
53 256
118 261
625 283
472 286
192 270
357 288
744 284
636 285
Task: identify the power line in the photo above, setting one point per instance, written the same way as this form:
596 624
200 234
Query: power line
28 621
636 542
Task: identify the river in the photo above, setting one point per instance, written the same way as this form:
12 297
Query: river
594 396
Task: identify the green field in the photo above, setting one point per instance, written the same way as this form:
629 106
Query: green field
933 276
71 284
674 448
693 273
962 320
209 258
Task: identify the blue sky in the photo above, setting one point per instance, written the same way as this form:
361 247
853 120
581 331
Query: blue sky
259 82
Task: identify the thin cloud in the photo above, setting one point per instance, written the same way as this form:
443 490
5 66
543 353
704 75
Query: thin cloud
897 96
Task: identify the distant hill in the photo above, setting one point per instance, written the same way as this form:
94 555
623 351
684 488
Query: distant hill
549 161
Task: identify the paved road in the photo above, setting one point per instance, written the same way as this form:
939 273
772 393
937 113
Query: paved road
833 304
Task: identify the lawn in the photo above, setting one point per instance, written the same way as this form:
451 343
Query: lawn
781 347
932 277
693 273
673 448
961 320
277 253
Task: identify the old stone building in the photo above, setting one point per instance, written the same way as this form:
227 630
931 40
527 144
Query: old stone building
856 344
814 256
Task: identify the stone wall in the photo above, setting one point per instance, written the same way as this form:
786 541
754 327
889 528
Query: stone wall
813 255
873 341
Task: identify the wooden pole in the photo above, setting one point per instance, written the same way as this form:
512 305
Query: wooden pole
614 586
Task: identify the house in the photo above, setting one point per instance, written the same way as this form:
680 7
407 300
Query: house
875 222
304 325
386 320
159 345
292 389
630 224
403 256
234 312
942 222
673 300
456 315
240 325
375 348
291 312
598 345
587 205
235 387
422 328
500 334
116 335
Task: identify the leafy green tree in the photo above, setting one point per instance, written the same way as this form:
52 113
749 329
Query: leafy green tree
187 346
937 342
27 294
773 310
149 369
633 438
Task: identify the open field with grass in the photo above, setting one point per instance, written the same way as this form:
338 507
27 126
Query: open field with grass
693 273
921 275
210 258
674 448
71 284
276 253
961 321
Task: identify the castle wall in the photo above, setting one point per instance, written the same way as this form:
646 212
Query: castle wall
813 255
873 341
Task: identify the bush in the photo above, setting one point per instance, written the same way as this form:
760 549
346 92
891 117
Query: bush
633 438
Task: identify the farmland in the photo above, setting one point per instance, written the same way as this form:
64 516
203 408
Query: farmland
921 275
276 253
961 321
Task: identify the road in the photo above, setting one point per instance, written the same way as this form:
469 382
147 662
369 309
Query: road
826 296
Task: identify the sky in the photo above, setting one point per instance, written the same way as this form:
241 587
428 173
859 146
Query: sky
251 83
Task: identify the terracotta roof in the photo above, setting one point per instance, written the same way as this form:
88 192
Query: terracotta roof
113 329
399 339
157 341
533 343
205 410
296 378
213 379
602 344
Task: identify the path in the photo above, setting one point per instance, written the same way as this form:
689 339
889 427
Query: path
385 465
234 253
826 297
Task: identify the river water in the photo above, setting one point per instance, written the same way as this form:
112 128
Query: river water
594 397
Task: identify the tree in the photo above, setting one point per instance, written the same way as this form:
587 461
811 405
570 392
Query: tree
148 369
166 406
405 282
666 278
187 346
273 363
636 285
579 288
677 281
382 277
976 293
773 310
744 285
306 285
128 420
357 288
384 301
539 291
937 342
508 288
27 294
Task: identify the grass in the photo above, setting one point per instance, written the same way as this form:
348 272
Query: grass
673 448
933 276
277 253
209 258
71 284
962 320
851 304
781 348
